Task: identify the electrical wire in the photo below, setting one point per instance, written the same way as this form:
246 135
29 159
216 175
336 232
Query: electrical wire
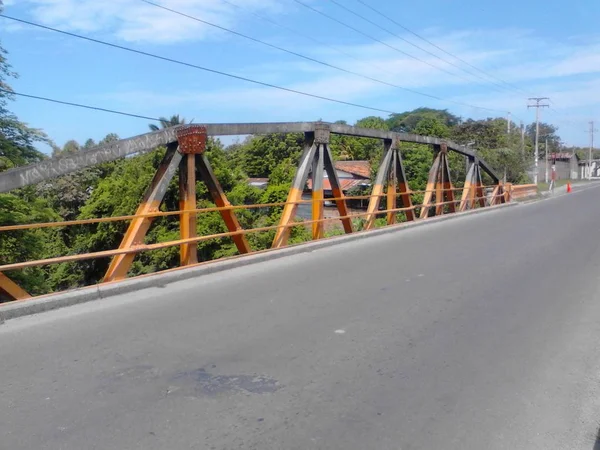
356 30
238 77
345 8
78 105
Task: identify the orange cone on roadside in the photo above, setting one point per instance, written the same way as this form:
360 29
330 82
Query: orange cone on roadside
568 187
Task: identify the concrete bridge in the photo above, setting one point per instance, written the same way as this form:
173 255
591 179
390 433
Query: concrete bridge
472 330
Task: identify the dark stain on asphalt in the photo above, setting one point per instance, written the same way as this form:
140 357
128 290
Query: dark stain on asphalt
201 382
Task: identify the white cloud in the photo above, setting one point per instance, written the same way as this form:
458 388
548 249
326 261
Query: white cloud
136 21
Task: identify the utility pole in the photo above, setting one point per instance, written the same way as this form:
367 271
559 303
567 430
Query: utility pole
537 107
508 123
592 130
546 173
522 138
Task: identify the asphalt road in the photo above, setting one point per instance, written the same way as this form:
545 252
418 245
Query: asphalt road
477 333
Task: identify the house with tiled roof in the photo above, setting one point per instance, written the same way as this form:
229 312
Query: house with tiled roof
350 173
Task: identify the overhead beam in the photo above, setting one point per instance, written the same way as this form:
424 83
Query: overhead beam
65 164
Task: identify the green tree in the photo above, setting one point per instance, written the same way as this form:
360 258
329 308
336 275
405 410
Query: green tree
408 121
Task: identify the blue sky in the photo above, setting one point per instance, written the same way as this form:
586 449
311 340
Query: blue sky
547 48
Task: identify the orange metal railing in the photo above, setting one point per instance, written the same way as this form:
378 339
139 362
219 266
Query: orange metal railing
161 245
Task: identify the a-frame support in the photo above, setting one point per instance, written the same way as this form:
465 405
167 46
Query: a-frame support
315 161
439 191
472 193
499 195
192 144
391 170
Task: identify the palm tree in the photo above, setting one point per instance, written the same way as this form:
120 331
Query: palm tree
167 123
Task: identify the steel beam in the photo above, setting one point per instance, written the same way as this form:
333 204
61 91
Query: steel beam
391 198
221 201
12 289
138 228
188 253
378 187
447 183
432 182
468 193
336 189
295 194
479 192
317 193
59 166
403 185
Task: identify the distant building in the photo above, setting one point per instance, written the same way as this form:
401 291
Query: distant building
566 166
350 173
585 168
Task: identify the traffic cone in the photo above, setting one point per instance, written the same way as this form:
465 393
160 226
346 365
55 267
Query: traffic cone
568 187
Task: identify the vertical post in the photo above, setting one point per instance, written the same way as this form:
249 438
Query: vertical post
479 192
317 194
537 133
391 191
537 107
546 171
589 177
138 227
295 194
187 201
439 186
522 138
192 142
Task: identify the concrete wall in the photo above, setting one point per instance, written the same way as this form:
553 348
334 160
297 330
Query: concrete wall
564 170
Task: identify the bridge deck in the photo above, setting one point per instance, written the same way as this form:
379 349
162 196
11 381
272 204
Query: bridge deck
476 333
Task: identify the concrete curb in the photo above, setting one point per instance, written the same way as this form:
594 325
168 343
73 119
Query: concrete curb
55 301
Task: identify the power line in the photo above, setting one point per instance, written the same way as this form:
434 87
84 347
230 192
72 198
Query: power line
238 77
308 58
356 30
79 105
273 22
345 8
438 47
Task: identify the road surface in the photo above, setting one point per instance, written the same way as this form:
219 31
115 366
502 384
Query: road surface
481 332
